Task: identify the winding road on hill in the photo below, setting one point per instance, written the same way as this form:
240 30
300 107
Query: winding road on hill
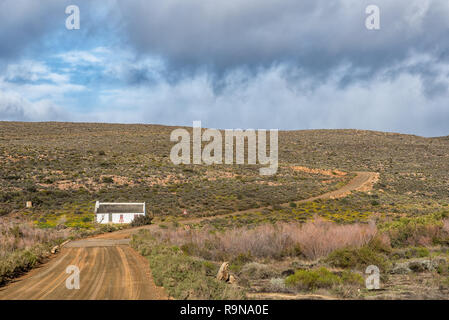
111 269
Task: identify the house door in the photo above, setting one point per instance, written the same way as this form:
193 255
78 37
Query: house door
121 218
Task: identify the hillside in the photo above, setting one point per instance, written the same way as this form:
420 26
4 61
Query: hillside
66 166
398 221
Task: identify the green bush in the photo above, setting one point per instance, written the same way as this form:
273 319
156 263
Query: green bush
141 220
407 231
312 279
417 252
357 258
189 248
210 268
21 261
322 278
239 261
352 278
443 268
107 180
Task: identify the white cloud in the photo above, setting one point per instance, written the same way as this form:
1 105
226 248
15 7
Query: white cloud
29 90
78 58
271 100
14 107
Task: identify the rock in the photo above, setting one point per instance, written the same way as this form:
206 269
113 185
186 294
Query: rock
54 249
417 265
287 272
401 268
223 273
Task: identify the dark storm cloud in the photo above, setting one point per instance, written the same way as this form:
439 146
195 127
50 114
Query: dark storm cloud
23 22
287 64
26 26
314 34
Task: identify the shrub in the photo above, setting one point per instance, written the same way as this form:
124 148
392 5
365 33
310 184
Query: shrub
357 258
237 263
415 266
108 180
417 252
256 270
189 248
22 236
210 268
444 283
319 237
322 278
443 268
21 261
277 285
312 279
418 231
312 239
352 278
141 220
104 228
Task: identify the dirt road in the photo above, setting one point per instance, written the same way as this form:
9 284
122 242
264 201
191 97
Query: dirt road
108 270
111 269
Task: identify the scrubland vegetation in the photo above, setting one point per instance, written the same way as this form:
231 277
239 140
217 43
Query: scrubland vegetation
22 246
401 225
268 240
315 256
184 276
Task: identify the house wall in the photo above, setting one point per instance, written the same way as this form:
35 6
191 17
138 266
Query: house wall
127 217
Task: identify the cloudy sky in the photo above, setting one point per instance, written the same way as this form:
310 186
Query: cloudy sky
286 64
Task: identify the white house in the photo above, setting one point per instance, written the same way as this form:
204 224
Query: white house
110 212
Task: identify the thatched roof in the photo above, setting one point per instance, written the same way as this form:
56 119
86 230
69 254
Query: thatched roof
121 208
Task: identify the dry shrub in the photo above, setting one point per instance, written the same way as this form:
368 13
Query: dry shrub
416 235
320 237
18 236
257 270
425 235
313 239
446 226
